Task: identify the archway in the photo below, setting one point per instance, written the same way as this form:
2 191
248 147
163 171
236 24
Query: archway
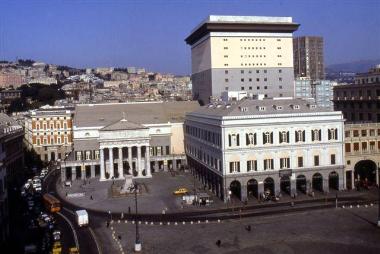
252 188
301 183
269 185
235 188
285 184
334 181
52 156
365 173
317 182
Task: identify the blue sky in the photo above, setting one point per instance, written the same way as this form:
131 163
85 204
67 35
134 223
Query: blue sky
151 33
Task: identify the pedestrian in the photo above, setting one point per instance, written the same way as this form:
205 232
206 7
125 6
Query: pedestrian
108 224
119 237
122 216
129 209
218 243
91 197
248 228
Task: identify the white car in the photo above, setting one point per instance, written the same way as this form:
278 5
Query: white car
27 186
38 188
67 183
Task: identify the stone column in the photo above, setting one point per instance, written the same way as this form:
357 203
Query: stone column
325 184
174 164
260 188
243 191
83 172
73 173
377 176
352 180
130 159
102 169
156 169
63 174
92 171
110 152
120 164
293 185
138 163
165 165
147 161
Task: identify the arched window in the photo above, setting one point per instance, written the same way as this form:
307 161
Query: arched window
316 135
251 139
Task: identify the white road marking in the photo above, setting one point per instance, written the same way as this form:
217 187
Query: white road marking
95 239
72 228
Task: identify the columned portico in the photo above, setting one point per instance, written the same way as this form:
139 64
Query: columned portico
120 163
110 156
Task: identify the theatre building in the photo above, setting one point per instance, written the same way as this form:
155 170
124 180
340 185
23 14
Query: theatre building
246 147
115 139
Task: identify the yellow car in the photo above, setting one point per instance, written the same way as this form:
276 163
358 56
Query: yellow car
180 191
73 251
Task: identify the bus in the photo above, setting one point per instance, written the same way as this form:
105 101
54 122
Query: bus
51 203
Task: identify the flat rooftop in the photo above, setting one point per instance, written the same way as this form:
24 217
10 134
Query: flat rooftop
215 23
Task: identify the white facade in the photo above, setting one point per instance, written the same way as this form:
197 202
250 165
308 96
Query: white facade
254 145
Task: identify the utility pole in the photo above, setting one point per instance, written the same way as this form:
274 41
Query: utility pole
138 242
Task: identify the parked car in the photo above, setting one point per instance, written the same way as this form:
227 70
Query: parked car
56 235
180 191
67 183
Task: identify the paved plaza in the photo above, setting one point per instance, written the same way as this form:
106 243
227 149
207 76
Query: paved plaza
324 231
157 195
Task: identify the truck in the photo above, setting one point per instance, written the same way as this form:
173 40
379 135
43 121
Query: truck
81 217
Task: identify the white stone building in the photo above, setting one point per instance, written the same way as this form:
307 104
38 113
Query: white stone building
114 139
250 146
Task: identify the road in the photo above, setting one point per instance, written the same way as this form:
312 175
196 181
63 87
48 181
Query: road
72 234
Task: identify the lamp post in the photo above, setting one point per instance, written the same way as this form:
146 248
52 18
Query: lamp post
138 242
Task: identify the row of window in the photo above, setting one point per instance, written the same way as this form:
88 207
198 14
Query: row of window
362 133
250 71
258 88
209 136
370 116
353 93
50 118
204 157
284 137
234 166
365 147
47 141
52 126
359 105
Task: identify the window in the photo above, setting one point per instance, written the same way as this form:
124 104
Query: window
364 133
356 147
284 137
257 79
242 80
280 71
242 88
226 80
242 71
356 133
268 138
316 135
251 139
79 156
347 134
300 162
348 148
96 155
316 160
268 164
234 166
257 71
251 165
332 159
300 136
233 140
284 163
333 134
225 71
88 153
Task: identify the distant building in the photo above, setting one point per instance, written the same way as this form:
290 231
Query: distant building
131 70
48 131
138 139
11 165
360 102
236 53
321 91
251 147
43 80
372 76
308 57
11 80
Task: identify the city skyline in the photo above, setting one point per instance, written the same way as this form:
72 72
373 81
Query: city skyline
119 34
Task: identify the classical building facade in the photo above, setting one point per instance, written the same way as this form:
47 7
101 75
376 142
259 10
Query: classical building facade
48 131
115 139
250 146
238 53
372 76
308 57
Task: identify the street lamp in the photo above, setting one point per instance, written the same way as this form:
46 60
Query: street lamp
138 242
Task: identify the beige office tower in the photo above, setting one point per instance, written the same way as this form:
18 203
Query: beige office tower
242 53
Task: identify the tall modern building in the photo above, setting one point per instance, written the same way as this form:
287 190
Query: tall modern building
308 57
235 53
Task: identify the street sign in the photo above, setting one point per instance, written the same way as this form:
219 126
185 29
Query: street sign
285 172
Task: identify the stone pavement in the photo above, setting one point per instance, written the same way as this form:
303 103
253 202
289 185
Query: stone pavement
324 231
157 195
